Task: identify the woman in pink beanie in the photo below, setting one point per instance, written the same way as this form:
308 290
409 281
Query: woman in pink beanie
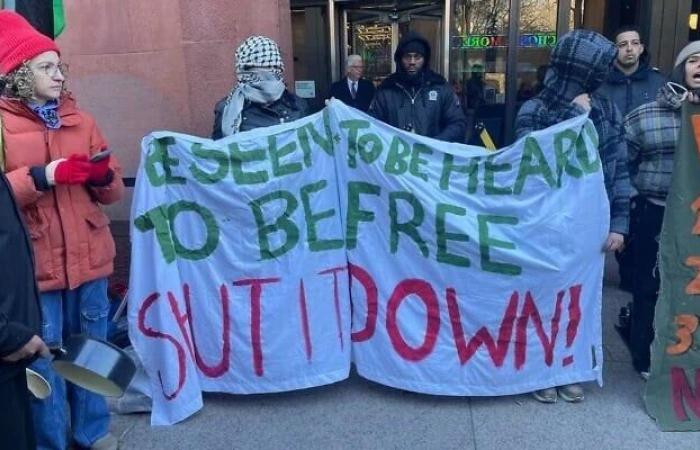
47 154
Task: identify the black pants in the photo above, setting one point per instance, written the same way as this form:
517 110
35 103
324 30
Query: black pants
626 257
16 429
646 282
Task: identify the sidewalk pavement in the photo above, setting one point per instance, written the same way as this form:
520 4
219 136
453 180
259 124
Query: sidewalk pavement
358 414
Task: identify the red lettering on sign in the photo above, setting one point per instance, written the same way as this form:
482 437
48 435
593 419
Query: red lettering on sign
185 322
305 320
336 301
531 312
497 349
683 394
365 279
255 312
426 294
150 332
574 320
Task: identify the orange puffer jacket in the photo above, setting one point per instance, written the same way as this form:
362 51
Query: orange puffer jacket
70 233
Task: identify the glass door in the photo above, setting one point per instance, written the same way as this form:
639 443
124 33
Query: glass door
372 35
538 36
478 62
499 51
374 28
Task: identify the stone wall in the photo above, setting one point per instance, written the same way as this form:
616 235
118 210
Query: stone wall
140 66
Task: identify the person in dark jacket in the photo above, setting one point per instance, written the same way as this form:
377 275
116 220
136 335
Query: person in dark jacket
415 98
260 99
631 83
353 90
578 66
652 132
20 324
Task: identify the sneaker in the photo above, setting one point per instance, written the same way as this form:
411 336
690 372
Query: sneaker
571 392
548 395
644 375
106 442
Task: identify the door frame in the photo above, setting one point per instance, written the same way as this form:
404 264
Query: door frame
338 41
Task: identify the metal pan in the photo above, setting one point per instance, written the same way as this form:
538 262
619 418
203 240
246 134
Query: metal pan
94 365
37 385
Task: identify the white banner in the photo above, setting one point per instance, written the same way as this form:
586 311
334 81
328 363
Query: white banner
469 272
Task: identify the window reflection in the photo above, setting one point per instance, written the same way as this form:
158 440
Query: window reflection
478 55
538 18
478 43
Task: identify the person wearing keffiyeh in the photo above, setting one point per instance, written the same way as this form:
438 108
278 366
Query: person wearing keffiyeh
579 64
260 98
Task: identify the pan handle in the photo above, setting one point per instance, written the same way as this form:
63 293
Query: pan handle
57 352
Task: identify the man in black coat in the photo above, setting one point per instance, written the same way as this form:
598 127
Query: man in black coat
353 90
415 98
20 324
631 83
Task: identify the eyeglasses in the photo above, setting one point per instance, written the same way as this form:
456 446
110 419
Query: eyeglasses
357 67
51 69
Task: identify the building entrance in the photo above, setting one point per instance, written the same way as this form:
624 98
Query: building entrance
493 53
372 30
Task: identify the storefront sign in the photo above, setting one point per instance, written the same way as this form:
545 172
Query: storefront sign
373 35
305 88
538 40
249 251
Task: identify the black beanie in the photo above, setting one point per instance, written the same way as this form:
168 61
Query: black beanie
416 46
412 42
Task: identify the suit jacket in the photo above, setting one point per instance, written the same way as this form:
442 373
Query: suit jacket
365 93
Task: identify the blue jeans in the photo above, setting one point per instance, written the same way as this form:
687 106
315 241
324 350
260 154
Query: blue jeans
82 310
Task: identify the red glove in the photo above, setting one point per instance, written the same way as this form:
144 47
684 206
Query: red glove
74 170
99 171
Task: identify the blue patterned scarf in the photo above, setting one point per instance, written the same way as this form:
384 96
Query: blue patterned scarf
48 113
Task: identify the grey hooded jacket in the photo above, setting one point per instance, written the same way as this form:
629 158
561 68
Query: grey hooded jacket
579 64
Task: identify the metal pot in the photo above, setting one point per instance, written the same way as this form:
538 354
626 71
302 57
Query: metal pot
37 385
94 365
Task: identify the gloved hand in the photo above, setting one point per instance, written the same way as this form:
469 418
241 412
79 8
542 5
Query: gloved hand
99 171
74 170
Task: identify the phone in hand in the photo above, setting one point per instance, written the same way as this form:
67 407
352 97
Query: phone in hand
99 156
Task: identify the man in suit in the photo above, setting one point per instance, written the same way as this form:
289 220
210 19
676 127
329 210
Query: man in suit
353 90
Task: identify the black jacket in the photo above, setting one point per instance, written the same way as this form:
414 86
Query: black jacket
365 93
631 91
287 109
20 314
429 108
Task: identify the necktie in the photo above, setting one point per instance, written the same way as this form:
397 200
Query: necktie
353 91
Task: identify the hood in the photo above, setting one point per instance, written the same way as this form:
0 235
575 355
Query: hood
405 40
678 72
579 64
